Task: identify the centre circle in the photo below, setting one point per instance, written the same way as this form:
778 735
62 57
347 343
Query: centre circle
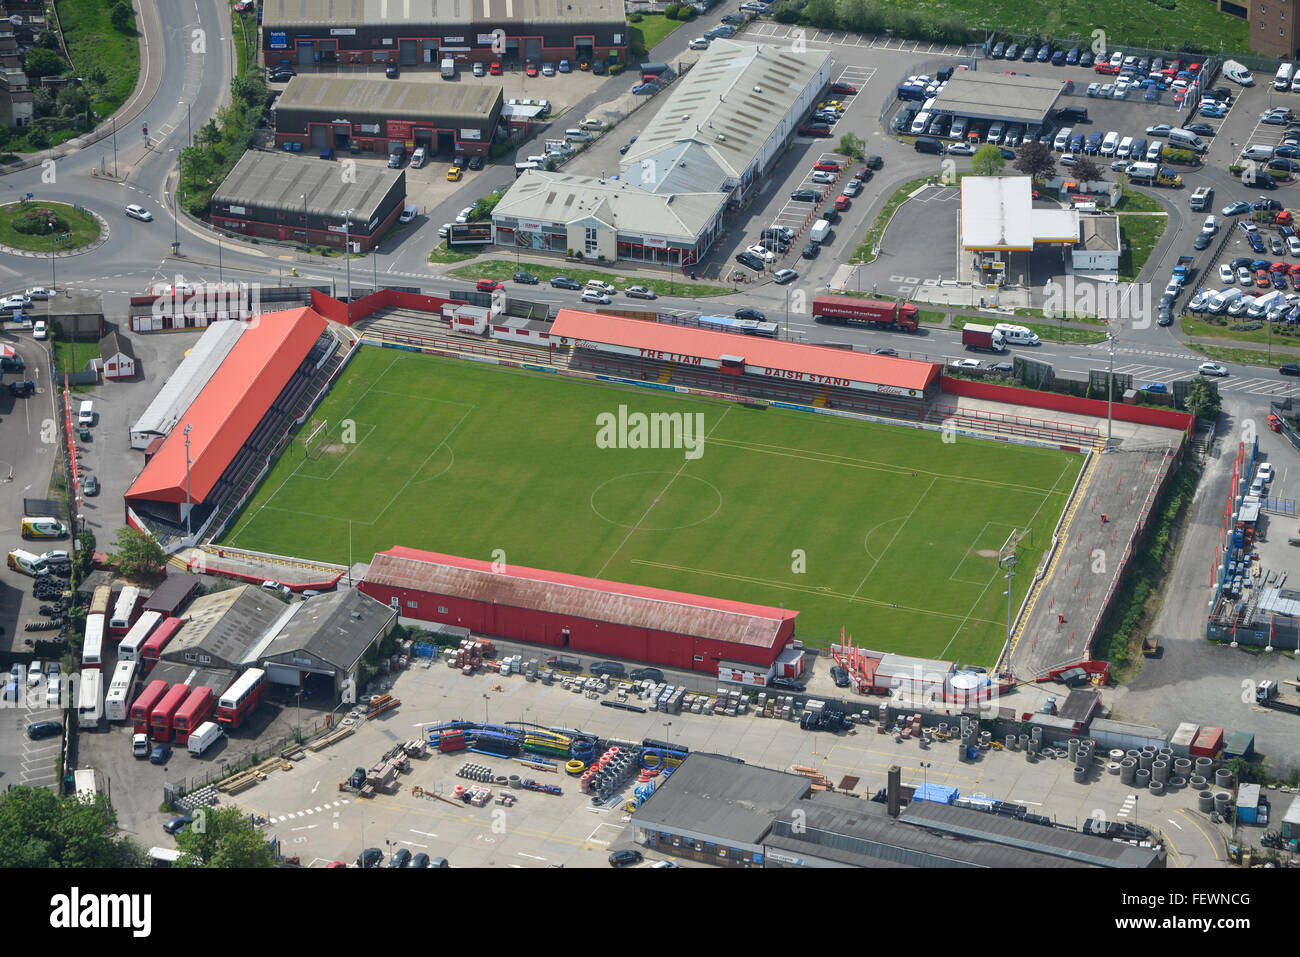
656 501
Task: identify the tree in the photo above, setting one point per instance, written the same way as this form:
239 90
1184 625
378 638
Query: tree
821 13
786 13
1035 159
47 40
37 138
5 135
1202 398
40 829
43 62
987 161
1086 171
121 17
137 554
223 837
852 146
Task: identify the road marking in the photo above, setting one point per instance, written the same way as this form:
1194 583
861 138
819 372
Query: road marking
305 827
423 833
413 844
314 787
533 856
1174 823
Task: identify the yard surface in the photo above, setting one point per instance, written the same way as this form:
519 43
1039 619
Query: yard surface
887 532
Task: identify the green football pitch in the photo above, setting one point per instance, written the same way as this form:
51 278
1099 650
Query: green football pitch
888 532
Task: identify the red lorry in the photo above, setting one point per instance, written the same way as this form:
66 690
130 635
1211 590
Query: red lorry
894 315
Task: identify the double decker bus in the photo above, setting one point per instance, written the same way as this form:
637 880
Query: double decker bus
92 649
124 612
143 706
241 698
160 719
194 710
155 643
129 648
117 700
99 599
90 699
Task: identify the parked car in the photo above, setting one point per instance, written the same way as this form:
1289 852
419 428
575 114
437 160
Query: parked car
746 312
401 857
370 857
624 857
840 676
160 754
525 278
811 250
43 729
806 196
177 824
786 684
1212 368
640 292
489 285
564 282
783 276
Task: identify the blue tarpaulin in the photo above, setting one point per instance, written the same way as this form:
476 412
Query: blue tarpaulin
938 793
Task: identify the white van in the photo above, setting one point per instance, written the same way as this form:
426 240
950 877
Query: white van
921 121
1220 301
1062 139
1186 140
419 157
409 212
820 232
1017 335
203 736
522 168
1154 151
958 130
1125 150
86 413
1283 79
995 132
1264 303
1110 144
1257 152
576 134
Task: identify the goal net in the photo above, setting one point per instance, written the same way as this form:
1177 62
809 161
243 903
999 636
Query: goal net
1012 544
315 439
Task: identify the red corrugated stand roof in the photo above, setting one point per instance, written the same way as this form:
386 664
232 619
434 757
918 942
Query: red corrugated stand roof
591 598
769 353
230 406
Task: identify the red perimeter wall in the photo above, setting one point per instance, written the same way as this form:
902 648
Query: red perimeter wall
337 311
585 635
1144 415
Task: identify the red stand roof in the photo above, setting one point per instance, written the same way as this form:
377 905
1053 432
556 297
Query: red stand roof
230 406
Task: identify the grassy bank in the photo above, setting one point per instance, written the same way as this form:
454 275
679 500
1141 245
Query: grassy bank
502 269
93 44
82 228
1138 237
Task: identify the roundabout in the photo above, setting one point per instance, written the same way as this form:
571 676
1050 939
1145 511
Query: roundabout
40 229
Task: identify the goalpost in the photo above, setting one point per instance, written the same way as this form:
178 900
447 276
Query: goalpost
318 432
1012 544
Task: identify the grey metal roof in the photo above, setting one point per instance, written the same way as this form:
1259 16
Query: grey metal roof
1292 815
336 627
174 588
1080 704
622 206
350 98
995 96
268 180
1099 232
1123 727
1074 846
1280 601
183 386
720 114
726 802
225 625
113 343
861 833
413 14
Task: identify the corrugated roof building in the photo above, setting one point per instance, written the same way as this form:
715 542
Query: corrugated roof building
633 622
184 385
327 636
278 195
221 628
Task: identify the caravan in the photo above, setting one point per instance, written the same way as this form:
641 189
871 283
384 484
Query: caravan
1017 335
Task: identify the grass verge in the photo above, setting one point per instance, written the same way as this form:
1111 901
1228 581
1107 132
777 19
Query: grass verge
1044 331
1135 201
93 43
82 228
1246 357
1138 237
442 254
501 269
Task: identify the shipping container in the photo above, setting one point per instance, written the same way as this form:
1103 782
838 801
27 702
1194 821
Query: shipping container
1240 744
1248 803
1208 743
1183 739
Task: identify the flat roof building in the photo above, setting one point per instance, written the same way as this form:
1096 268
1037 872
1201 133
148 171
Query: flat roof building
298 198
727 120
419 33
998 215
716 811
340 112
609 218
996 96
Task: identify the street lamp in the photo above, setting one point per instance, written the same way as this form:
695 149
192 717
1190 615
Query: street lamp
188 127
667 725
347 254
114 146
925 776
374 268
187 479
787 312
176 221
486 699
1110 385
306 239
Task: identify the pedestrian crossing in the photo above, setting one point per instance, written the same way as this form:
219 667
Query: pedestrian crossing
308 812
1130 803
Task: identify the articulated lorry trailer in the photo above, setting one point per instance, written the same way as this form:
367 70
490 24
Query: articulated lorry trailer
901 316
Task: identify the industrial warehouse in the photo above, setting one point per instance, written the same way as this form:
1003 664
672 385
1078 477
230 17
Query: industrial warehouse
304 33
306 200
345 113
706 151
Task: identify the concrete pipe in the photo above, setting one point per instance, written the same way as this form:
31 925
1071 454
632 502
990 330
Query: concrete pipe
1145 761
1112 767
1141 778
1080 775
1024 740
1205 801
1160 771
1198 782
1035 745
1127 767
1204 766
1011 742
1117 754
986 737
1221 799
943 727
1072 749
1182 767
1036 732
1223 778
1132 753
1165 754
1175 782
1156 787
